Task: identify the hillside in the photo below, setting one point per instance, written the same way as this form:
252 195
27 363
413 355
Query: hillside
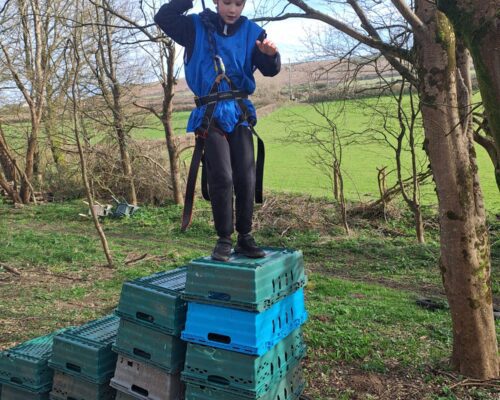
303 78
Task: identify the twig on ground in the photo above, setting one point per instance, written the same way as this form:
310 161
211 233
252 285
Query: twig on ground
129 260
492 383
10 269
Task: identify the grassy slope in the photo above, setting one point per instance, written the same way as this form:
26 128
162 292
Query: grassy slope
288 167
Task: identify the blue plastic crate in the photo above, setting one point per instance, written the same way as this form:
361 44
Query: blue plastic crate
245 283
244 331
289 388
155 301
25 366
85 351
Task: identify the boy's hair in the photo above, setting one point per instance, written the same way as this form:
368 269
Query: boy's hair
216 1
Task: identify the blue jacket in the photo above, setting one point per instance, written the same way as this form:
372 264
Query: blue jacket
236 53
235 44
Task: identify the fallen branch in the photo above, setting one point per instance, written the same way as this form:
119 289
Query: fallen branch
10 269
129 261
492 383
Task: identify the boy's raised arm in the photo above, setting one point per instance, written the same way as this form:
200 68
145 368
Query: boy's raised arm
179 27
268 65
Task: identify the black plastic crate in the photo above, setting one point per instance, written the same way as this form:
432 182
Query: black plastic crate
68 387
85 351
155 301
146 382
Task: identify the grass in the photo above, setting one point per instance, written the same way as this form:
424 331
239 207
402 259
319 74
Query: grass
288 167
364 333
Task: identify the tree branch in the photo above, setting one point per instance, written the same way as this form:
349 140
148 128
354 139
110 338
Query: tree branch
408 14
365 23
367 40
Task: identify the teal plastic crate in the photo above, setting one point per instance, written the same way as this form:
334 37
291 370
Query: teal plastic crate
25 366
8 392
289 388
155 301
244 374
149 345
85 351
245 283
68 387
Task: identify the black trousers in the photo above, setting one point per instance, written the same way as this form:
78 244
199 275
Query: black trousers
230 165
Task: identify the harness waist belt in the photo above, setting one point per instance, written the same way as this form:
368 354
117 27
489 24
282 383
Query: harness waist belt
215 97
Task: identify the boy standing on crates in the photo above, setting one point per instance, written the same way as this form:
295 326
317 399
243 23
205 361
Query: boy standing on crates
222 51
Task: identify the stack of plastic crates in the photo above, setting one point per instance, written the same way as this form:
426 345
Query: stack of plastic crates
24 370
244 327
150 351
84 362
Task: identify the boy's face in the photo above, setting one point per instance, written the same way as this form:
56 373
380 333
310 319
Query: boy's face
230 10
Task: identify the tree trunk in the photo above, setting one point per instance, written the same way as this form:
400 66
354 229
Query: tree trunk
465 259
478 22
168 85
30 161
6 163
419 223
11 192
124 155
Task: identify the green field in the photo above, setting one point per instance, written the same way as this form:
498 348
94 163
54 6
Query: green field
288 168
366 337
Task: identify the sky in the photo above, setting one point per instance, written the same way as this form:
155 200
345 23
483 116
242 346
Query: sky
289 35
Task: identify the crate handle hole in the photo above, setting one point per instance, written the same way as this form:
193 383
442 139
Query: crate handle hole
219 296
71 398
139 390
73 367
219 338
218 379
144 317
142 353
17 380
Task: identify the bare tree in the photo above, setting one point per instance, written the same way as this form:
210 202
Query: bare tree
161 54
327 144
104 60
24 55
75 98
465 251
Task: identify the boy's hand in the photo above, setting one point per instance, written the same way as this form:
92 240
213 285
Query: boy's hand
267 47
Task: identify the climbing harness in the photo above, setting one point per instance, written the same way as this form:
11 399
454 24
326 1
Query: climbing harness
210 101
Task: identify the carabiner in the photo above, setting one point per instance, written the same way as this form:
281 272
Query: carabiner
219 65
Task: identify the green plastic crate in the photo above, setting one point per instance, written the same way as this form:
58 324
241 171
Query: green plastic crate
85 351
25 366
155 301
68 387
149 345
8 392
240 373
245 283
289 388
